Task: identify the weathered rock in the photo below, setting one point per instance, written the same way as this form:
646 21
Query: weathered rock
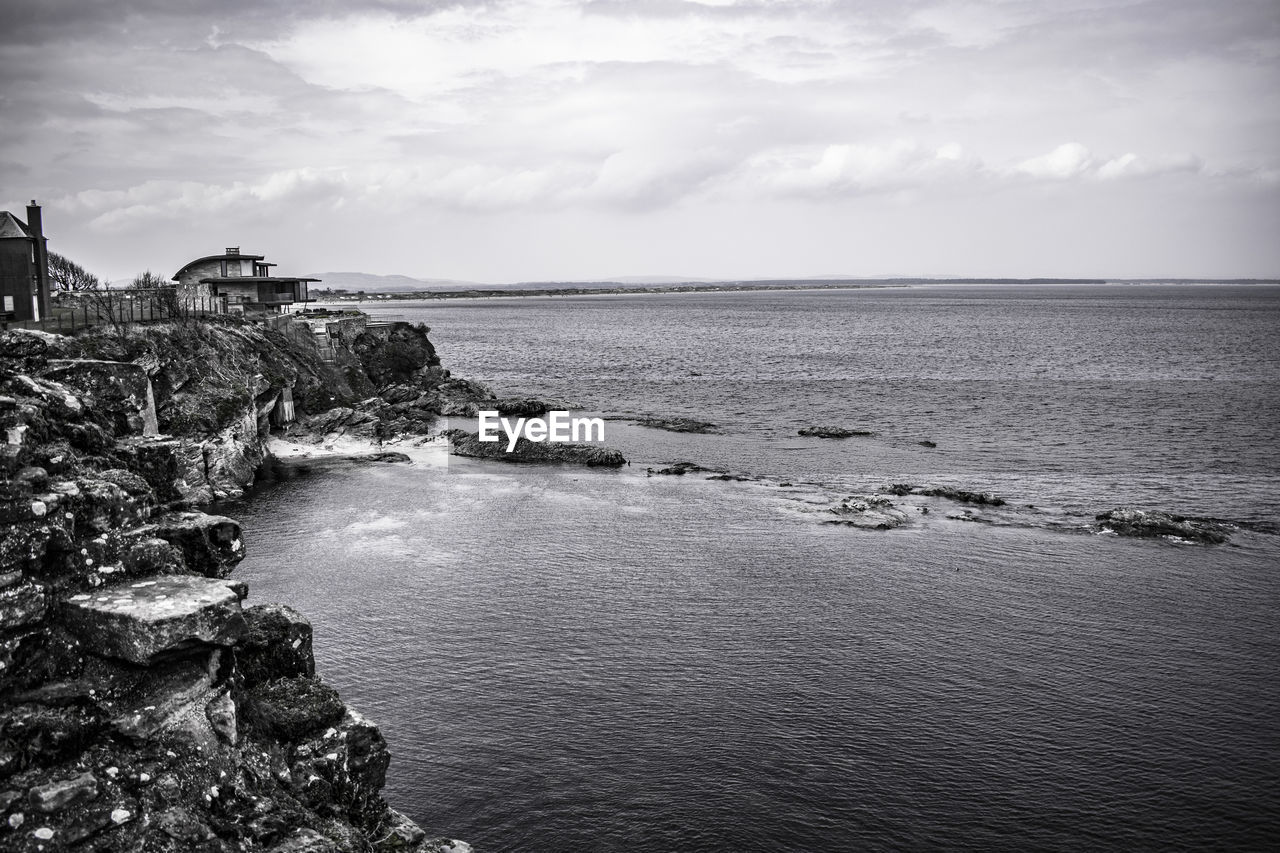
1150 524
948 492
142 620
383 456
60 794
678 469
678 424
116 388
276 644
153 556
399 833
871 512
834 432
465 443
292 708
210 544
517 407
221 712
963 496
173 699
21 605
306 840
342 421
181 824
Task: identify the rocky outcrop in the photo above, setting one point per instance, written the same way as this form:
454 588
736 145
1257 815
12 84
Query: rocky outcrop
678 425
872 512
948 492
679 469
833 432
1148 524
142 706
465 443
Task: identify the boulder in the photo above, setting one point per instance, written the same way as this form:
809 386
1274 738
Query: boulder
60 794
1123 521
276 644
116 388
833 432
21 605
678 469
290 709
678 424
143 620
173 698
872 512
465 443
210 544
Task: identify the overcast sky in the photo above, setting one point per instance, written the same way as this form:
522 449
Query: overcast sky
558 139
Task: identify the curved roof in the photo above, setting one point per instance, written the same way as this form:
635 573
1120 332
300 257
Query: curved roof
222 257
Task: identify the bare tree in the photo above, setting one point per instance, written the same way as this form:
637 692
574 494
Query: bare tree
66 274
149 281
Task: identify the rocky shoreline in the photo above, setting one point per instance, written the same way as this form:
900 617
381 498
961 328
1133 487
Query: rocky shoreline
143 704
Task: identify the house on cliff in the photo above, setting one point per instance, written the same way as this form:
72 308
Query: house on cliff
243 282
24 266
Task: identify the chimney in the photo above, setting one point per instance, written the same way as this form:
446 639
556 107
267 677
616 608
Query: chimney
34 220
36 223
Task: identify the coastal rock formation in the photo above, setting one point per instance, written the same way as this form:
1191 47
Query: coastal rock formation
1150 524
872 512
142 706
465 443
833 432
678 425
679 469
948 492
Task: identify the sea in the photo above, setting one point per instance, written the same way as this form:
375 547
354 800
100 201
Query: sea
574 659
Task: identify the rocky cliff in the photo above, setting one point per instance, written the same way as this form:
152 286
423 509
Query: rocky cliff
143 705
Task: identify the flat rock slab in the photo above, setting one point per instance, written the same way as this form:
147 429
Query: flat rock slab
142 620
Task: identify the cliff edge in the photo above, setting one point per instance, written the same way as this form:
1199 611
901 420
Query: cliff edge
143 705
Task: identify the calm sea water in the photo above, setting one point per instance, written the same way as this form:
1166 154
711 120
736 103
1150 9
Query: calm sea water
576 660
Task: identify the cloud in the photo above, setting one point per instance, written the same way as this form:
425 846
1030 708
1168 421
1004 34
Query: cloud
134 116
1068 160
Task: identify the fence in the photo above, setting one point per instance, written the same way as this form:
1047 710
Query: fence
84 309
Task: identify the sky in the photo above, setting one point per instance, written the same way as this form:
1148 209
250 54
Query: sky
543 140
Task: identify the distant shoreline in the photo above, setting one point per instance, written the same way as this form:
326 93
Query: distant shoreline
611 289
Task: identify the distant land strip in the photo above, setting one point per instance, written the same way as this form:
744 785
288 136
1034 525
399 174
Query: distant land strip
616 288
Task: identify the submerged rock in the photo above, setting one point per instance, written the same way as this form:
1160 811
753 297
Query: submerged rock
678 425
949 492
834 432
468 444
1150 524
678 469
871 512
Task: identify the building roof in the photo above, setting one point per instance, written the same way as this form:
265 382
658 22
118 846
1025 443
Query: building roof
222 257
12 226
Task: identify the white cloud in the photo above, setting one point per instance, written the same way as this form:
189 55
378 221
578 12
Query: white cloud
1069 160
652 115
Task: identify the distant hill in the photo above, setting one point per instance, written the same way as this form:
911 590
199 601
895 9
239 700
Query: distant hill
370 283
